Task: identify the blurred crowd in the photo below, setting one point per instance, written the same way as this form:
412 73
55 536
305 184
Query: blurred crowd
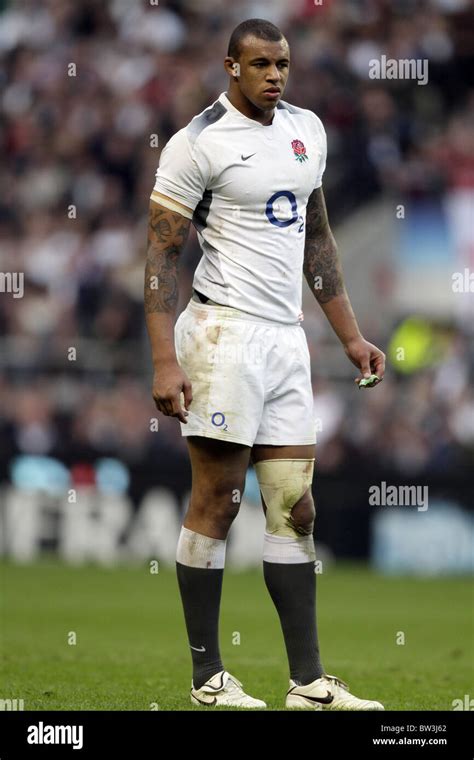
90 93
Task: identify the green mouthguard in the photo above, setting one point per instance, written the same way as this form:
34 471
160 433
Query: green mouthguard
368 382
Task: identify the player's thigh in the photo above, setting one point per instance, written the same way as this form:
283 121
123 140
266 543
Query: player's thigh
218 467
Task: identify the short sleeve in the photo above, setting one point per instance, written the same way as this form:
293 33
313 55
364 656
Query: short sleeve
180 176
322 141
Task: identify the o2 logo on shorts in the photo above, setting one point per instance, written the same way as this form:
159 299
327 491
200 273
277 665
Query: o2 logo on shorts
218 419
295 217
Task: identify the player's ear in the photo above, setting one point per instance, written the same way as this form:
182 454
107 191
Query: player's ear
233 66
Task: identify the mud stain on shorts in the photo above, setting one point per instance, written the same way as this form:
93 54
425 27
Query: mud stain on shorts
213 332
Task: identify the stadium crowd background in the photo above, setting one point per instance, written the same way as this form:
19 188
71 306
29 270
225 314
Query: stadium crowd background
83 139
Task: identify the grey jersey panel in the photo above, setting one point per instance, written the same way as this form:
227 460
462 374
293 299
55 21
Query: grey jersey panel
205 119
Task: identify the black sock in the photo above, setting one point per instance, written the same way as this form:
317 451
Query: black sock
293 590
200 590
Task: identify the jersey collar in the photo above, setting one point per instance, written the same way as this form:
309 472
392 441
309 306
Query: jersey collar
228 105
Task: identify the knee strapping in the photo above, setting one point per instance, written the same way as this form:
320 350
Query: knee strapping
283 482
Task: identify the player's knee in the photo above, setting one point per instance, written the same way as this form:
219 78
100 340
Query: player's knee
286 488
218 501
224 513
303 514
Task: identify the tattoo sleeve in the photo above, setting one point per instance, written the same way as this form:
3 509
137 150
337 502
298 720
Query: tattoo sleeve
167 234
321 266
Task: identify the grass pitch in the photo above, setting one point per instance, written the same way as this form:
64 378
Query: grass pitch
131 650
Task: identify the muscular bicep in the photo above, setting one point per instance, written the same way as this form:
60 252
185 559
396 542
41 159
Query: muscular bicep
167 227
167 234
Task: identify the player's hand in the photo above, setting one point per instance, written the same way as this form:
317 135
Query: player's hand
168 384
369 359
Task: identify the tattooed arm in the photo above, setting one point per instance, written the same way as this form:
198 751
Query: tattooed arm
167 234
323 272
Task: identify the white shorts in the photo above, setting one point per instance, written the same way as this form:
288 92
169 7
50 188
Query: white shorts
251 378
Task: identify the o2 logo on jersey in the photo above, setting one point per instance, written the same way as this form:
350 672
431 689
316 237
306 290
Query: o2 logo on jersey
218 419
295 217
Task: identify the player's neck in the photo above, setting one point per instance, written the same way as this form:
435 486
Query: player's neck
247 108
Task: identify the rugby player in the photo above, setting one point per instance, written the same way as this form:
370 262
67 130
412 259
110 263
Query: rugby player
235 369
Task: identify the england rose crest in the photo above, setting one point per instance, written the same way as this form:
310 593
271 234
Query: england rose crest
299 150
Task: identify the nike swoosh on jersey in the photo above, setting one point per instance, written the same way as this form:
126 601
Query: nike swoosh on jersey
202 649
245 158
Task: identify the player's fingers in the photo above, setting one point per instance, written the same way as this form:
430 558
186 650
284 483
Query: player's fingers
167 407
188 393
365 366
380 365
159 405
177 411
164 405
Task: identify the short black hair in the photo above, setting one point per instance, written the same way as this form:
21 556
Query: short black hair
257 27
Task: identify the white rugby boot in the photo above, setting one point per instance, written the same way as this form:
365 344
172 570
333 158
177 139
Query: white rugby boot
224 689
327 693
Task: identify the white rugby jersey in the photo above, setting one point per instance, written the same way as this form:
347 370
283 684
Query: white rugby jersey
246 186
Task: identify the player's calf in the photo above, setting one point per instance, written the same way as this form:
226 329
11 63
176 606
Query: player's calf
288 559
